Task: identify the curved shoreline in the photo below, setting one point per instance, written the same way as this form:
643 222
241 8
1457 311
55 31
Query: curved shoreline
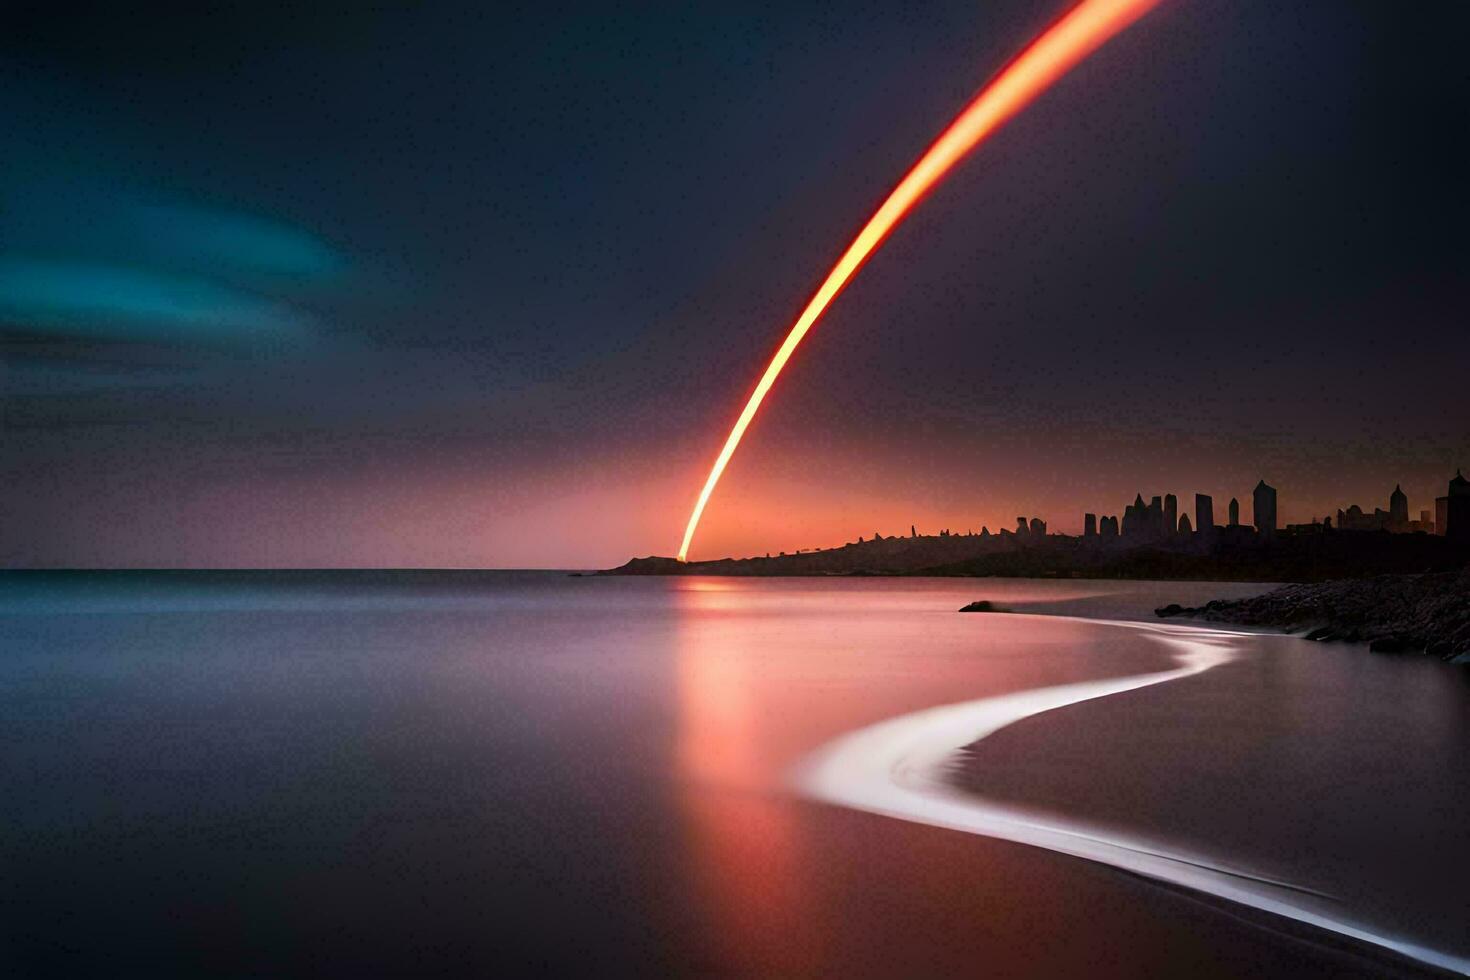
894 768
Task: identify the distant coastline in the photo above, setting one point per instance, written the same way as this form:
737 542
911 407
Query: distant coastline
1284 557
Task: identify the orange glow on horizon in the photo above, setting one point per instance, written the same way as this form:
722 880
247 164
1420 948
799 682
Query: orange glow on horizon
1080 32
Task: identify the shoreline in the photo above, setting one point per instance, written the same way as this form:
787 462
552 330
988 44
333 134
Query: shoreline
1289 556
1428 613
896 767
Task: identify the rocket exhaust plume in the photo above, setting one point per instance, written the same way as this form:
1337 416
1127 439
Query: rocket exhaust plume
1081 31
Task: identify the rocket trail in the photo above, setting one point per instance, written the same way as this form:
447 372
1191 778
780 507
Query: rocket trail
1081 31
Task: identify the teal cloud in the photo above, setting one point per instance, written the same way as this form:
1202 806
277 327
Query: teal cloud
231 242
120 303
84 258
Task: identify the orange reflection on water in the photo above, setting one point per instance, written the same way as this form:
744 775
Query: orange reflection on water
766 671
744 839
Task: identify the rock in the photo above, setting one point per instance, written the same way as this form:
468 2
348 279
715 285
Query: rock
1427 612
652 565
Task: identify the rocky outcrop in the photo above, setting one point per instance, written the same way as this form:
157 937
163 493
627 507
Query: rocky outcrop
652 565
1427 613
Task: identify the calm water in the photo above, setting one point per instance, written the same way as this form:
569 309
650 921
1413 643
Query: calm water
388 773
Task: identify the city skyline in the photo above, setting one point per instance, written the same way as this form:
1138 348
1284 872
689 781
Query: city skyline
1148 522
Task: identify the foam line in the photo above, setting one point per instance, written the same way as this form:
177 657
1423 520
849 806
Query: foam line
896 768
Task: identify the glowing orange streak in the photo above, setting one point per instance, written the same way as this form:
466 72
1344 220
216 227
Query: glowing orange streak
1082 31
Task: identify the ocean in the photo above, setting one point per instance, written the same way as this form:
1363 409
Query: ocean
371 773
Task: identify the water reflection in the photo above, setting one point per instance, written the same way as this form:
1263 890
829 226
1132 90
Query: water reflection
484 774
768 671
744 845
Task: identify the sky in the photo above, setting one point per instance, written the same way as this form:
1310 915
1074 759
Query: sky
471 285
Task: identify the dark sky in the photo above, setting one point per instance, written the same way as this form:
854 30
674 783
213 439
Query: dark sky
483 285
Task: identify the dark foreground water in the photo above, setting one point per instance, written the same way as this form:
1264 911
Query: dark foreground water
394 773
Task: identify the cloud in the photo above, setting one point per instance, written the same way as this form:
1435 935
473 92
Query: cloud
86 257
111 302
231 242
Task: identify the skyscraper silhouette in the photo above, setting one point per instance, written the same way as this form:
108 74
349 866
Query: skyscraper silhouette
1457 513
1204 512
1264 512
1135 516
1398 509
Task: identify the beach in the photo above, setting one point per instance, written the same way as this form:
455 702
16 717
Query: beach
238 773
1263 846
